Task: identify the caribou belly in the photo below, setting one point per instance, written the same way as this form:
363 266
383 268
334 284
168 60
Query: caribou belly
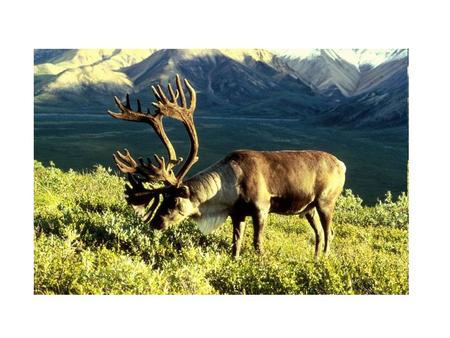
290 205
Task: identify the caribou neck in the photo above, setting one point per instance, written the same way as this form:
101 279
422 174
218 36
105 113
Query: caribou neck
219 183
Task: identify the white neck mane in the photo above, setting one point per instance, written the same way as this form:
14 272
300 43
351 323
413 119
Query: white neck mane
215 191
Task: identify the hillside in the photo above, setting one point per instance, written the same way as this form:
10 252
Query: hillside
82 78
242 82
348 72
382 103
88 241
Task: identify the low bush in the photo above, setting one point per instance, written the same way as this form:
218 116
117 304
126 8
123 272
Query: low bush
88 241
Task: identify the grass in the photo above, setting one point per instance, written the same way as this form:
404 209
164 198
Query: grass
88 241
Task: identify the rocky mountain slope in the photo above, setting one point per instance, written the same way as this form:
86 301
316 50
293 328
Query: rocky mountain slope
349 72
350 86
382 100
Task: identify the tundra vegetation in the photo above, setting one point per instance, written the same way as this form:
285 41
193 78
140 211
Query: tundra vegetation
87 240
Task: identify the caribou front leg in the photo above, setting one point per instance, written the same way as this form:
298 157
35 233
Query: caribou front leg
259 221
238 233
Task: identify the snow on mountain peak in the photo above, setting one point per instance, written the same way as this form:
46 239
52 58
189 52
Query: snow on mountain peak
356 57
371 57
241 54
304 53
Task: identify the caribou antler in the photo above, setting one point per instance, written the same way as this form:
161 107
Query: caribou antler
171 108
140 171
127 164
148 171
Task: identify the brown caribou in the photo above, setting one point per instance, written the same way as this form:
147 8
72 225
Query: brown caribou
244 183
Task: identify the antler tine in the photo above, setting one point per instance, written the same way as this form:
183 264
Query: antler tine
126 113
151 173
125 163
180 89
158 97
161 161
172 95
192 94
172 108
161 94
122 167
127 157
119 104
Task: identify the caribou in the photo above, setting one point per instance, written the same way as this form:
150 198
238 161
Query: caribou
245 183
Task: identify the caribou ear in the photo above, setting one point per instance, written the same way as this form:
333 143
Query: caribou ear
184 191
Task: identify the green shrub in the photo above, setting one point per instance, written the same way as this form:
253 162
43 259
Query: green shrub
390 213
88 241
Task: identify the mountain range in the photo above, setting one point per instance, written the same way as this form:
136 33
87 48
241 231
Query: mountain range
344 87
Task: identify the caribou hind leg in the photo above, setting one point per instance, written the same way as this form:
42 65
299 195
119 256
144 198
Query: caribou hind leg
314 221
325 212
